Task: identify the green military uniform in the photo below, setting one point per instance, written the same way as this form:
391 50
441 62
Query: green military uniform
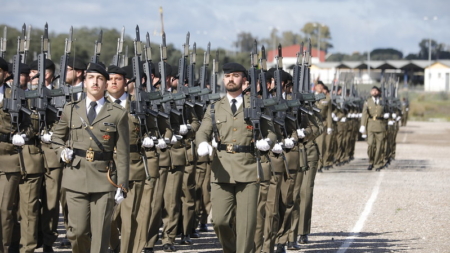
10 166
325 111
375 125
304 188
30 191
234 190
129 211
89 194
202 190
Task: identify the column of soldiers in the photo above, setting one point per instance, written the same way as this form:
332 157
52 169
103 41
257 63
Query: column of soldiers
136 147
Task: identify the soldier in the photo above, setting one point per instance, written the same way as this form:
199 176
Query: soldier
75 76
325 111
405 111
330 138
93 128
234 190
373 122
12 140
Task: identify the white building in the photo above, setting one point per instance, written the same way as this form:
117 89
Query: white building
437 76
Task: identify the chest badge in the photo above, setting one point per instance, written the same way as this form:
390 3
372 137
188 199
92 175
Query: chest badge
106 137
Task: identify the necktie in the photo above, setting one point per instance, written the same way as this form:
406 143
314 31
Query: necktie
233 106
75 96
92 113
117 101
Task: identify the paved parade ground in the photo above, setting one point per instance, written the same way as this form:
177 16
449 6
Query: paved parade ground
404 208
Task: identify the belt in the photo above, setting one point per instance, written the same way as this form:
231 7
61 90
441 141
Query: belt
91 155
376 118
230 148
5 138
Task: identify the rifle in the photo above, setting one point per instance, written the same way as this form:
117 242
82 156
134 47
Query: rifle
117 57
41 96
165 104
139 107
3 41
204 92
64 93
17 104
97 49
215 95
26 42
254 113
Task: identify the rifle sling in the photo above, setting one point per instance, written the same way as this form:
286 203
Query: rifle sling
214 124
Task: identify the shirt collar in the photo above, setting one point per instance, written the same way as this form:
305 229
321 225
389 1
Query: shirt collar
100 102
238 98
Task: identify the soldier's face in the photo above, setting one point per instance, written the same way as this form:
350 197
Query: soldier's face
116 84
374 92
24 80
234 81
318 88
33 73
95 85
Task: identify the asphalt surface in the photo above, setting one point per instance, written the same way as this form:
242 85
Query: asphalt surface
404 208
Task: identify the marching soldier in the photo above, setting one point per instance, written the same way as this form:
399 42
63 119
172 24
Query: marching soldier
325 111
12 140
234 190
93 128
373 126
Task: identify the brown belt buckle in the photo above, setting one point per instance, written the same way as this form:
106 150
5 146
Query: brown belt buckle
230 148
89 155
374 117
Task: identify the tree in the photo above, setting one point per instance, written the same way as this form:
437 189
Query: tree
315 30
244 42
290 38
385 54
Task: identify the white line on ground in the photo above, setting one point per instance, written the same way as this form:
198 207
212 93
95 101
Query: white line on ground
404 137
363 217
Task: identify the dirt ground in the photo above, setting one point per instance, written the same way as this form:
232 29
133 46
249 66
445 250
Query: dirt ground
404 208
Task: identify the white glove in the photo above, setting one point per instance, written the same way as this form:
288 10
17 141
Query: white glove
362 129
183 129
386 115
67 155
336 119
173 140
119 196
147 142
329 131
360 115
204 149
394 115
263 145
364 136
46 138
214 143
288 143
277 148
301 133
333 115
391 122
343 119
407 109
399 118
18 140
161 144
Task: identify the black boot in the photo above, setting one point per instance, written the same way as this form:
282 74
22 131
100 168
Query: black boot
280 248
370 167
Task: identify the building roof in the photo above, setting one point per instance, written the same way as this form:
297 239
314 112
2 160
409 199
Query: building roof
389 64
291 51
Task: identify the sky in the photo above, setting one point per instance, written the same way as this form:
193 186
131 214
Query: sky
355 25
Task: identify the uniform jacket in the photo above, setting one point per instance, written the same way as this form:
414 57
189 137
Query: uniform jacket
325 111
233 129
371 110
111 129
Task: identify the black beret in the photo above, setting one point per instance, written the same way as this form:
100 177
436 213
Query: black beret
320 82
128 71
48 65
168 69
376 88
113 69
77 64
271 70
97 68
24 69
3 64
231 67
269 76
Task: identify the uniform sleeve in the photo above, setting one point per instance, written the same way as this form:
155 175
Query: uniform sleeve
205 130
123 150
328 119
61 130
365 115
